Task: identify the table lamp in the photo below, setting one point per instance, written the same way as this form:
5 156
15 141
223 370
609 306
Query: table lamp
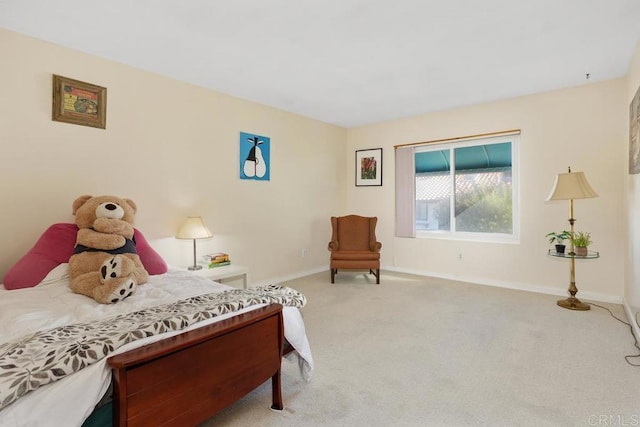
571 186
194 228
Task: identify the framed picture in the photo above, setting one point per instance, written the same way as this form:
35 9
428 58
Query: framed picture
255 157
634 134
79 103
369 167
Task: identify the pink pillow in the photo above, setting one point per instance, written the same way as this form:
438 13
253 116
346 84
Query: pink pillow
55 247
152 261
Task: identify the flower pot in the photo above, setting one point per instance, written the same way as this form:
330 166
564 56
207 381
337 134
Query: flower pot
560 249
581 251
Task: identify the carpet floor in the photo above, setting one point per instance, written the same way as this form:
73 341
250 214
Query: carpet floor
419 351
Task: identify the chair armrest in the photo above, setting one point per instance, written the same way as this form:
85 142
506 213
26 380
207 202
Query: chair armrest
333 246
375 246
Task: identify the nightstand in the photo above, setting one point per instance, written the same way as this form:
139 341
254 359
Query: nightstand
226 273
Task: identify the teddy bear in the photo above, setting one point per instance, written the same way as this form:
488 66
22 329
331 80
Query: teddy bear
105 264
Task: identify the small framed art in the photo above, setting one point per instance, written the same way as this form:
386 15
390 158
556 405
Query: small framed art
255 157
369 167
79 103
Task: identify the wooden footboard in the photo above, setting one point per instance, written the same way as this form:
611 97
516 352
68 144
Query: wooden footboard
186 379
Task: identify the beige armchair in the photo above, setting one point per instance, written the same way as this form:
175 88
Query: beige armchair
353 245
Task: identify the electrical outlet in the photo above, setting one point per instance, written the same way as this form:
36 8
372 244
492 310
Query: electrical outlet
460 256
303 252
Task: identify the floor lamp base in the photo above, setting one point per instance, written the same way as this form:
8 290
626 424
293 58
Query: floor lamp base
199 267
573 303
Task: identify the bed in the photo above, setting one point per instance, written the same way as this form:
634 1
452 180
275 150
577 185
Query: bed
202 365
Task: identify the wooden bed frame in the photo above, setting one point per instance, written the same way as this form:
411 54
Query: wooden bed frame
188 378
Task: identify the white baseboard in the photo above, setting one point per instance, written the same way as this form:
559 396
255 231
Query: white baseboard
631 316
586 295
293 276
593 296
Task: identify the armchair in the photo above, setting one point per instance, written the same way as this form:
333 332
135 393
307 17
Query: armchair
353 245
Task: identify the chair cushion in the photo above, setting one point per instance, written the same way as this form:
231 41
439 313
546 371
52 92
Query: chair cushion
364 264
355 255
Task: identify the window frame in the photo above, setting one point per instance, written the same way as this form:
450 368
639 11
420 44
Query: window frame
513 237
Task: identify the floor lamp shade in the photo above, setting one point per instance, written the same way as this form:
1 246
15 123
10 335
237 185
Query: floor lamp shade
571 185
194 228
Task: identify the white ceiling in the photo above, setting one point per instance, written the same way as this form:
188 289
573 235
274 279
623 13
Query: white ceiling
350 62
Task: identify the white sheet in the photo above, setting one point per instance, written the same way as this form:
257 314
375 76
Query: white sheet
51 304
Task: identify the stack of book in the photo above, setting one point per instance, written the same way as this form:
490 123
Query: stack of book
218 260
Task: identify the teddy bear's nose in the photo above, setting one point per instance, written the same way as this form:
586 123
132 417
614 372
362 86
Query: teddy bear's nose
111 206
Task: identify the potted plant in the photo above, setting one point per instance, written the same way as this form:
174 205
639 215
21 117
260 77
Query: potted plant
559 239
581 241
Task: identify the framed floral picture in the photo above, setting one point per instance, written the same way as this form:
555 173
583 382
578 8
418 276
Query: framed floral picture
369 167
79 103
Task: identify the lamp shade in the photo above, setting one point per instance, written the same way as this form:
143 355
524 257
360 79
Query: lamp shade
193 228
571 186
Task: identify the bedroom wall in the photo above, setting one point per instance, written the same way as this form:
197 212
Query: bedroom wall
632 201
584 127
172 148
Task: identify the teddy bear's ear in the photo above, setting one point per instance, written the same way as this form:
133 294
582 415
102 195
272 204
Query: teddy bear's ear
132 204
79 202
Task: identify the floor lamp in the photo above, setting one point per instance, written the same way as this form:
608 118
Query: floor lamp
571 186
194 228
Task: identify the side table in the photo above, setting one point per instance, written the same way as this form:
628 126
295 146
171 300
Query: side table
573 303
225 273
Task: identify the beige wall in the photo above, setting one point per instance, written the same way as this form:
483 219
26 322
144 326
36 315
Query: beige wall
582 127
171 147
632 202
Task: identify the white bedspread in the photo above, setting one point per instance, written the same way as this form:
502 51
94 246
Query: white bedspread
50 304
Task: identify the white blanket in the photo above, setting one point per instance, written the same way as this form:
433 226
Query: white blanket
52 304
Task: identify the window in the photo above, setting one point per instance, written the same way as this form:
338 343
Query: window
463 189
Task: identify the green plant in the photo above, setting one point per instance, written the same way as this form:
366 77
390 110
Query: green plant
581 239
484 209
559 238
